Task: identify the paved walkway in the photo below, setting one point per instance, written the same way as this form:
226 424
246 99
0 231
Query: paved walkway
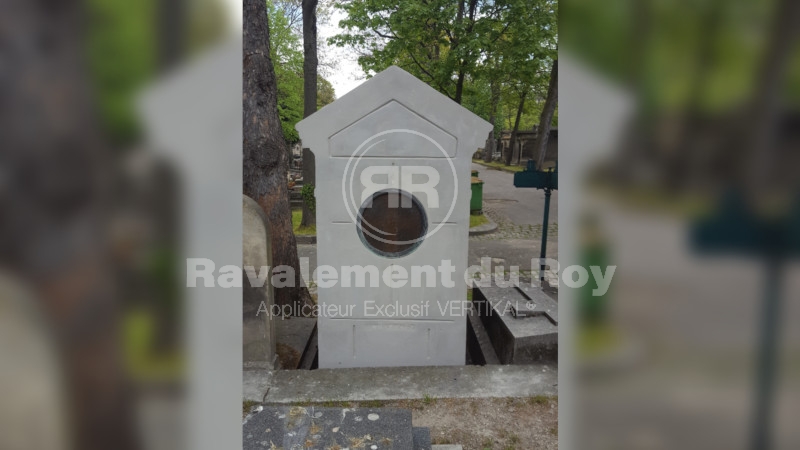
522 207
519 214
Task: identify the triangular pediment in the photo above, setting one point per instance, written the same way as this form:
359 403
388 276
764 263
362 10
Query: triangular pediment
393 130
397 95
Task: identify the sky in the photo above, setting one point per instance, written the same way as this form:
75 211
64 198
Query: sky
346 75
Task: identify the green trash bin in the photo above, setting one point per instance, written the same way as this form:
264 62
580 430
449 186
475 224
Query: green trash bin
476 202
474 173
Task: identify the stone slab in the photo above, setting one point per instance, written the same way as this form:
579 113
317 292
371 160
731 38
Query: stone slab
397 383
479 346
540 301
258 331
517 340
255 383
291 427
422 438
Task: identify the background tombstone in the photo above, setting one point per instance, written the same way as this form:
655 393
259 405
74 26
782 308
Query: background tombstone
394 131
258 331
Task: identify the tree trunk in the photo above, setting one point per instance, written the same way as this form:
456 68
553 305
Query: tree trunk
685 154
309 97
55 202
265 153
491 141
513 141
546 118
459 86
761 131
172 27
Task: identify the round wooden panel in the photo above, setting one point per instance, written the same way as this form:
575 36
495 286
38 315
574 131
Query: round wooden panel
394 224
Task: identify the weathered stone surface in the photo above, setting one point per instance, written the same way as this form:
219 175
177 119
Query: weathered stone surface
258 330
397 383
521 339
422 438
312 427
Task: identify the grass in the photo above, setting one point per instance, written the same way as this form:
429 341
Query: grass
539 400
142 360
476 221
596 340
297 216
499 166
247 405
656 200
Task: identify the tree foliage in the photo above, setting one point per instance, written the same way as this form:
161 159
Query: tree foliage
286 47
460 47
325 92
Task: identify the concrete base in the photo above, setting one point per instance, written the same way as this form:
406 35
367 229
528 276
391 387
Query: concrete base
521 323
397 383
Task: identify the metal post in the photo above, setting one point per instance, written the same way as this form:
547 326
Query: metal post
543 254
762 414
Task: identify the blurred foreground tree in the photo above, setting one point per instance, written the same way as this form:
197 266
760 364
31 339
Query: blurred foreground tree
265 153
56 201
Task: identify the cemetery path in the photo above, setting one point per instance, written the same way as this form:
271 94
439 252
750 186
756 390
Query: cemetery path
520 207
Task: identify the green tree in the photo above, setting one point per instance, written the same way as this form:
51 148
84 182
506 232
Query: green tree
286 51
446 42
286 47
325 92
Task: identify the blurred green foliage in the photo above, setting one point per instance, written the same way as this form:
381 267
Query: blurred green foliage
700 54
143 364
122 40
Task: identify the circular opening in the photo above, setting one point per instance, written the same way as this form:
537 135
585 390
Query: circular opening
392 223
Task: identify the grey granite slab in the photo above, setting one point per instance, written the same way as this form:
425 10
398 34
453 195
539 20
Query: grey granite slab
297 427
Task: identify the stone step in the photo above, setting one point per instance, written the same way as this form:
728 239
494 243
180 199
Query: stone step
314 427
398 383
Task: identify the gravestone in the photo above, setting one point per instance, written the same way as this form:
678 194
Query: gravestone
393 171
258 328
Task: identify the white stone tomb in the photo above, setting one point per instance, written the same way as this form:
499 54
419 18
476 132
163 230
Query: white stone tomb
393 134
